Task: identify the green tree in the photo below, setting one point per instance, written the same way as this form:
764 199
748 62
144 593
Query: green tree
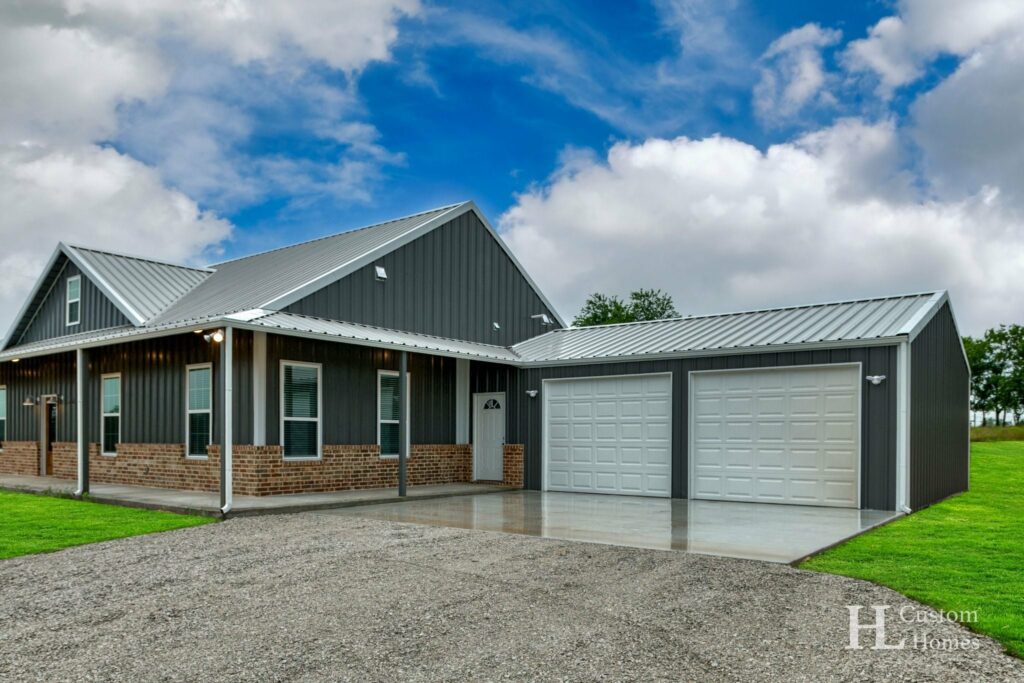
643 304
997 372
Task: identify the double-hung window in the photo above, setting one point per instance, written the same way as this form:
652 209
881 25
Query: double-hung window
73 296
300 409
387 412
111 421
199 390
3 416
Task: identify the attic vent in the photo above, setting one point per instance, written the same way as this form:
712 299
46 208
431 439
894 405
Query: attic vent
381 274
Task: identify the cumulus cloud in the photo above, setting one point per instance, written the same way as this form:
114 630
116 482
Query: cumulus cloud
793 73
722 225
78 75
897 48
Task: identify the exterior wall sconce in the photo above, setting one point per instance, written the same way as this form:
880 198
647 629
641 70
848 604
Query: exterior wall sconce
875 379
54 400
495 326
217 337
532 393
29 402
380 273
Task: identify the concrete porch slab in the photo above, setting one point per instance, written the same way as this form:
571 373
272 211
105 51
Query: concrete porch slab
755 531
205 503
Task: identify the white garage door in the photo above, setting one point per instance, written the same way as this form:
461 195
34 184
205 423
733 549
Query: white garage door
776 436
609 435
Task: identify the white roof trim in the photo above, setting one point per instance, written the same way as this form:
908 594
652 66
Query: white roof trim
413 233
915 326
112 294
32 294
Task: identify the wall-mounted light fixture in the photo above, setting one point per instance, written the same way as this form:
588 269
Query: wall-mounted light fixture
217 336
544 319
875 379
495 326
380 273
29 402
532 393
54 400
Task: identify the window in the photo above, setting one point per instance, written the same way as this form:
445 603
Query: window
199 390
111 401
3 416
387 412
300 409
74 300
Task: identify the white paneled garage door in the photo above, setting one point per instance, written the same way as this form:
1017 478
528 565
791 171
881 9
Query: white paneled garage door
783 435
609 435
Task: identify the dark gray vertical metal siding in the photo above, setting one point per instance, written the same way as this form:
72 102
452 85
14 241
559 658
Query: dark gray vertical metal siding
939 413
98 312
878 425
350 390
452 282
37 377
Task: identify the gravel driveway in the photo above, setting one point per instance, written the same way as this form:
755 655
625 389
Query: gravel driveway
322 597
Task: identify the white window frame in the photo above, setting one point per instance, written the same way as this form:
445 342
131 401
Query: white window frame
3 389
119 414
319 411
68 301
189 411
408 413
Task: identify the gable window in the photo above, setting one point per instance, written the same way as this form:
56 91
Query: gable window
111 420
387 412
300 409
3 416
74 300
199 389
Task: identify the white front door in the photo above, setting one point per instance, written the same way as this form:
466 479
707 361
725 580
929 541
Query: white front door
779 435
488 436
609 435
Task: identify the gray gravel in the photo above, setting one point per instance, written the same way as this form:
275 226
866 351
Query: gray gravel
312 597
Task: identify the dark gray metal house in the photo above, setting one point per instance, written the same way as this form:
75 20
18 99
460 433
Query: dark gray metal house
282 372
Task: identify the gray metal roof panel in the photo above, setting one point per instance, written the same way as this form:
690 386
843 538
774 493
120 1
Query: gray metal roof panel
256 280
147 286
882 318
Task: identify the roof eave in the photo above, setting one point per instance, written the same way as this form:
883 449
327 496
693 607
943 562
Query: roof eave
32 294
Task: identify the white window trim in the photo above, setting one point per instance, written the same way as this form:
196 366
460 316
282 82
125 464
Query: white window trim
189 411
68 301
319 411
119 414
408 393
3 388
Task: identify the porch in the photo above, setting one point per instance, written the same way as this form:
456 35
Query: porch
208 503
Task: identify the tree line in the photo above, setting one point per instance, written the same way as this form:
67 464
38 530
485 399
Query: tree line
997 373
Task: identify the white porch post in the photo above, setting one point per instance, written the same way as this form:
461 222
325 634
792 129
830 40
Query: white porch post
227 437
81 391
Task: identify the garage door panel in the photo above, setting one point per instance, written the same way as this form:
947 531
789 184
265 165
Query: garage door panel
800 444
618 432
558 410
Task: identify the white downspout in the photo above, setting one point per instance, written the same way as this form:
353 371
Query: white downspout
228 421
83 449
903 427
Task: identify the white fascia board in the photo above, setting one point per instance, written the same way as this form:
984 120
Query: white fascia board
916 325
349 267
115 297
32 295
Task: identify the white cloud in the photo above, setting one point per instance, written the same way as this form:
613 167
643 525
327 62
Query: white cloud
74 72
898 47
793 73
723 226
92 196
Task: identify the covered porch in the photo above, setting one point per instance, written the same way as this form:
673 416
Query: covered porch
208 503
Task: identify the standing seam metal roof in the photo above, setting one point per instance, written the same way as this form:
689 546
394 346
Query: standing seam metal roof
849 321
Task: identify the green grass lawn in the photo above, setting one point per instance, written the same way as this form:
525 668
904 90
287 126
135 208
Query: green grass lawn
37 524
966 553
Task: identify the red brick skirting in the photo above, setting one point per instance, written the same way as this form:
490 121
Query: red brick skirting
20 457
261 471
161 465
513 464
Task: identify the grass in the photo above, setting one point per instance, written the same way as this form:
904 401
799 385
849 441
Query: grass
962 554
1012 433
32 524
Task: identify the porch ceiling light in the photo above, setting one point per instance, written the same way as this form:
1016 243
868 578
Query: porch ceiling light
15 360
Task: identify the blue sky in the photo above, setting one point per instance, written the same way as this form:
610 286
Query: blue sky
735 153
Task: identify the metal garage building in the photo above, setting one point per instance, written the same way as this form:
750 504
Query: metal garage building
857 404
